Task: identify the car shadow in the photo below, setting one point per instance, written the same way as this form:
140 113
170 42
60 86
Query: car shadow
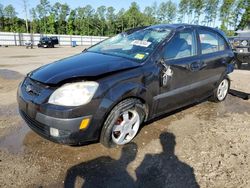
240 94
156 170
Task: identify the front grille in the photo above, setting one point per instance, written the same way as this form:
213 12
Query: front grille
35 125
32 88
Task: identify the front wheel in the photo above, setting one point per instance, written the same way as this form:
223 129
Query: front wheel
220 93
123 123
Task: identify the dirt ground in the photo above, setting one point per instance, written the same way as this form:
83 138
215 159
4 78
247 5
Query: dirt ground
206 145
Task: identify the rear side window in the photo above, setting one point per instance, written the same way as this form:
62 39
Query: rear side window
211 42
183 44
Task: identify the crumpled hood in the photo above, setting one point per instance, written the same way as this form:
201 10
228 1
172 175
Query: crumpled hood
87 64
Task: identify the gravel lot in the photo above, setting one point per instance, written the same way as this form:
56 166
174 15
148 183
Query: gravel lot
206 145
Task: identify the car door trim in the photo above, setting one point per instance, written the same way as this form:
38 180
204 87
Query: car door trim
188 87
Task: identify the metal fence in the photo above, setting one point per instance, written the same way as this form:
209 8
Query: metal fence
19 39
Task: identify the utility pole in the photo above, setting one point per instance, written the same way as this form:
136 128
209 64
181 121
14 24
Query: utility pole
26 14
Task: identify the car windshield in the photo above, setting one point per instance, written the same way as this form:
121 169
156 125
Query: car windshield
137 45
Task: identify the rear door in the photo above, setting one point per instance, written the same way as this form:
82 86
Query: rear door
215 54
179 78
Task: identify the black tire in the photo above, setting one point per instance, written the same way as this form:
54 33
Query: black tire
214 97
238 64
131 103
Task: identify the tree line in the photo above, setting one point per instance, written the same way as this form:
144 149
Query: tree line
59 18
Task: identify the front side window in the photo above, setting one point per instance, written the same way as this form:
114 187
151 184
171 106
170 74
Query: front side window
211 42
183 44
137 45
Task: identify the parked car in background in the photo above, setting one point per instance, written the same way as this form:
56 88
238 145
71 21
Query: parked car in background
48 42
241 47
109 90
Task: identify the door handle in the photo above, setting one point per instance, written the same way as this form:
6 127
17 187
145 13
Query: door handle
195 66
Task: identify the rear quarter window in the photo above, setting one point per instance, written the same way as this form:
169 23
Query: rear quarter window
211 42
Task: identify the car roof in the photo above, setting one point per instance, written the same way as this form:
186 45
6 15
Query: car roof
183 25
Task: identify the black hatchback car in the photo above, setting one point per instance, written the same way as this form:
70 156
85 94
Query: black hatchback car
106 92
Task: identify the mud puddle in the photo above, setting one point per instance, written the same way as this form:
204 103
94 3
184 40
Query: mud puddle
13 142
13 65
21 56
10 75
232 105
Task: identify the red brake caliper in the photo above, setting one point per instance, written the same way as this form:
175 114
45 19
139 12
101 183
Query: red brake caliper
118 122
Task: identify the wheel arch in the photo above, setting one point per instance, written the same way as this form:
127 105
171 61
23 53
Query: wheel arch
122 92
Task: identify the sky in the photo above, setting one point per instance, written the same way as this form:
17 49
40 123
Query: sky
117 4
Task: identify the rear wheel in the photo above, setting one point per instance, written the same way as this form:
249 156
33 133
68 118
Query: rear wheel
220 93
123 123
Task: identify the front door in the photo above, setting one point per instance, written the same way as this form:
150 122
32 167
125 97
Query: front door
179 78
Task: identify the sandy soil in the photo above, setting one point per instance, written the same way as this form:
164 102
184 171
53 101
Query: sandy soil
205 145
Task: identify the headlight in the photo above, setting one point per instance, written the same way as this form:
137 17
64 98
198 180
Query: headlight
236 43
244 43
74 94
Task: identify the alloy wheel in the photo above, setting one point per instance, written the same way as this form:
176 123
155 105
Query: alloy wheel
126 127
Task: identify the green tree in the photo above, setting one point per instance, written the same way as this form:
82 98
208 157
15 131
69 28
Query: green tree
186 9
43 9
110 15
88 14
10 13
85 20
245 19
51 24
100 12
133 16
120 21
71 22
79 20
19 25
1 18
190 11
240 8
61 11
25 7
34 22
226 13
198 6
210 11
167 12
149 14
183 7
154 6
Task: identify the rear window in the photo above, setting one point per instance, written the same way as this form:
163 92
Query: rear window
211 42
